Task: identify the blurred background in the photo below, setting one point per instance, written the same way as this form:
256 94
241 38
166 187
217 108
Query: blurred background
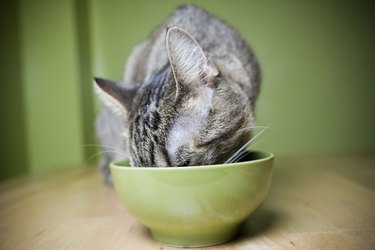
317 62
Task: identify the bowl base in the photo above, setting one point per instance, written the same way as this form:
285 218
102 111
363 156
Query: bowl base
196 239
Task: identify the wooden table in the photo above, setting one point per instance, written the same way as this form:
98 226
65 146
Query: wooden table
325 202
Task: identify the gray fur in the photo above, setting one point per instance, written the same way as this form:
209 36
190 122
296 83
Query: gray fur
193 86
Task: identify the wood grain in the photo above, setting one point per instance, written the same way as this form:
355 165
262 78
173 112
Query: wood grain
316 202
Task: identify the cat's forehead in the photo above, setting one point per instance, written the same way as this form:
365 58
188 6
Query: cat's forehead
151 93
158 77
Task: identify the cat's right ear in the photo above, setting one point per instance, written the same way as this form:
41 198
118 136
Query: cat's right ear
118 98
190 66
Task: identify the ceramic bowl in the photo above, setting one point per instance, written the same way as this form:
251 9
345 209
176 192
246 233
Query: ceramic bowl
194 206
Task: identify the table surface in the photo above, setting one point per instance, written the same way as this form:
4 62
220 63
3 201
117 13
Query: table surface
315 202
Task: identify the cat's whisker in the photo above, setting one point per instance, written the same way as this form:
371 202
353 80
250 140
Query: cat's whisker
91 157
102 152
239 156
251 128
99 145
256 143
263 127
117 150
244 152
260 127
234 156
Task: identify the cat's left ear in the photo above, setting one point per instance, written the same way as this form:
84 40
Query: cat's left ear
118 97
191 67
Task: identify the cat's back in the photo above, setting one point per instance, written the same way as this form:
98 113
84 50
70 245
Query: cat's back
220 42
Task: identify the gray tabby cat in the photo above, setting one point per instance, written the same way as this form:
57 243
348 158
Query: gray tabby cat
187 97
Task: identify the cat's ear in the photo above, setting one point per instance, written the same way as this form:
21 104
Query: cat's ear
118 98
191 67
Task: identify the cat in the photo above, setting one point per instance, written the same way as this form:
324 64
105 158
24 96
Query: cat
187 97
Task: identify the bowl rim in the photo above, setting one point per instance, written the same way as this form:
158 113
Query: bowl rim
267 156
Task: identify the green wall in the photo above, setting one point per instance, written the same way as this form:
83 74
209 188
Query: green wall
316 58
46 98
13 150
50 83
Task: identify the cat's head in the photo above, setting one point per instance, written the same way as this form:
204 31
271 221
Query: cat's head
188 113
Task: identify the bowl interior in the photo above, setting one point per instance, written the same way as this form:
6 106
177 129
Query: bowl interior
249 156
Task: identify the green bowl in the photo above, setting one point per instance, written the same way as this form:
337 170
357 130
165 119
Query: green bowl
194 206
